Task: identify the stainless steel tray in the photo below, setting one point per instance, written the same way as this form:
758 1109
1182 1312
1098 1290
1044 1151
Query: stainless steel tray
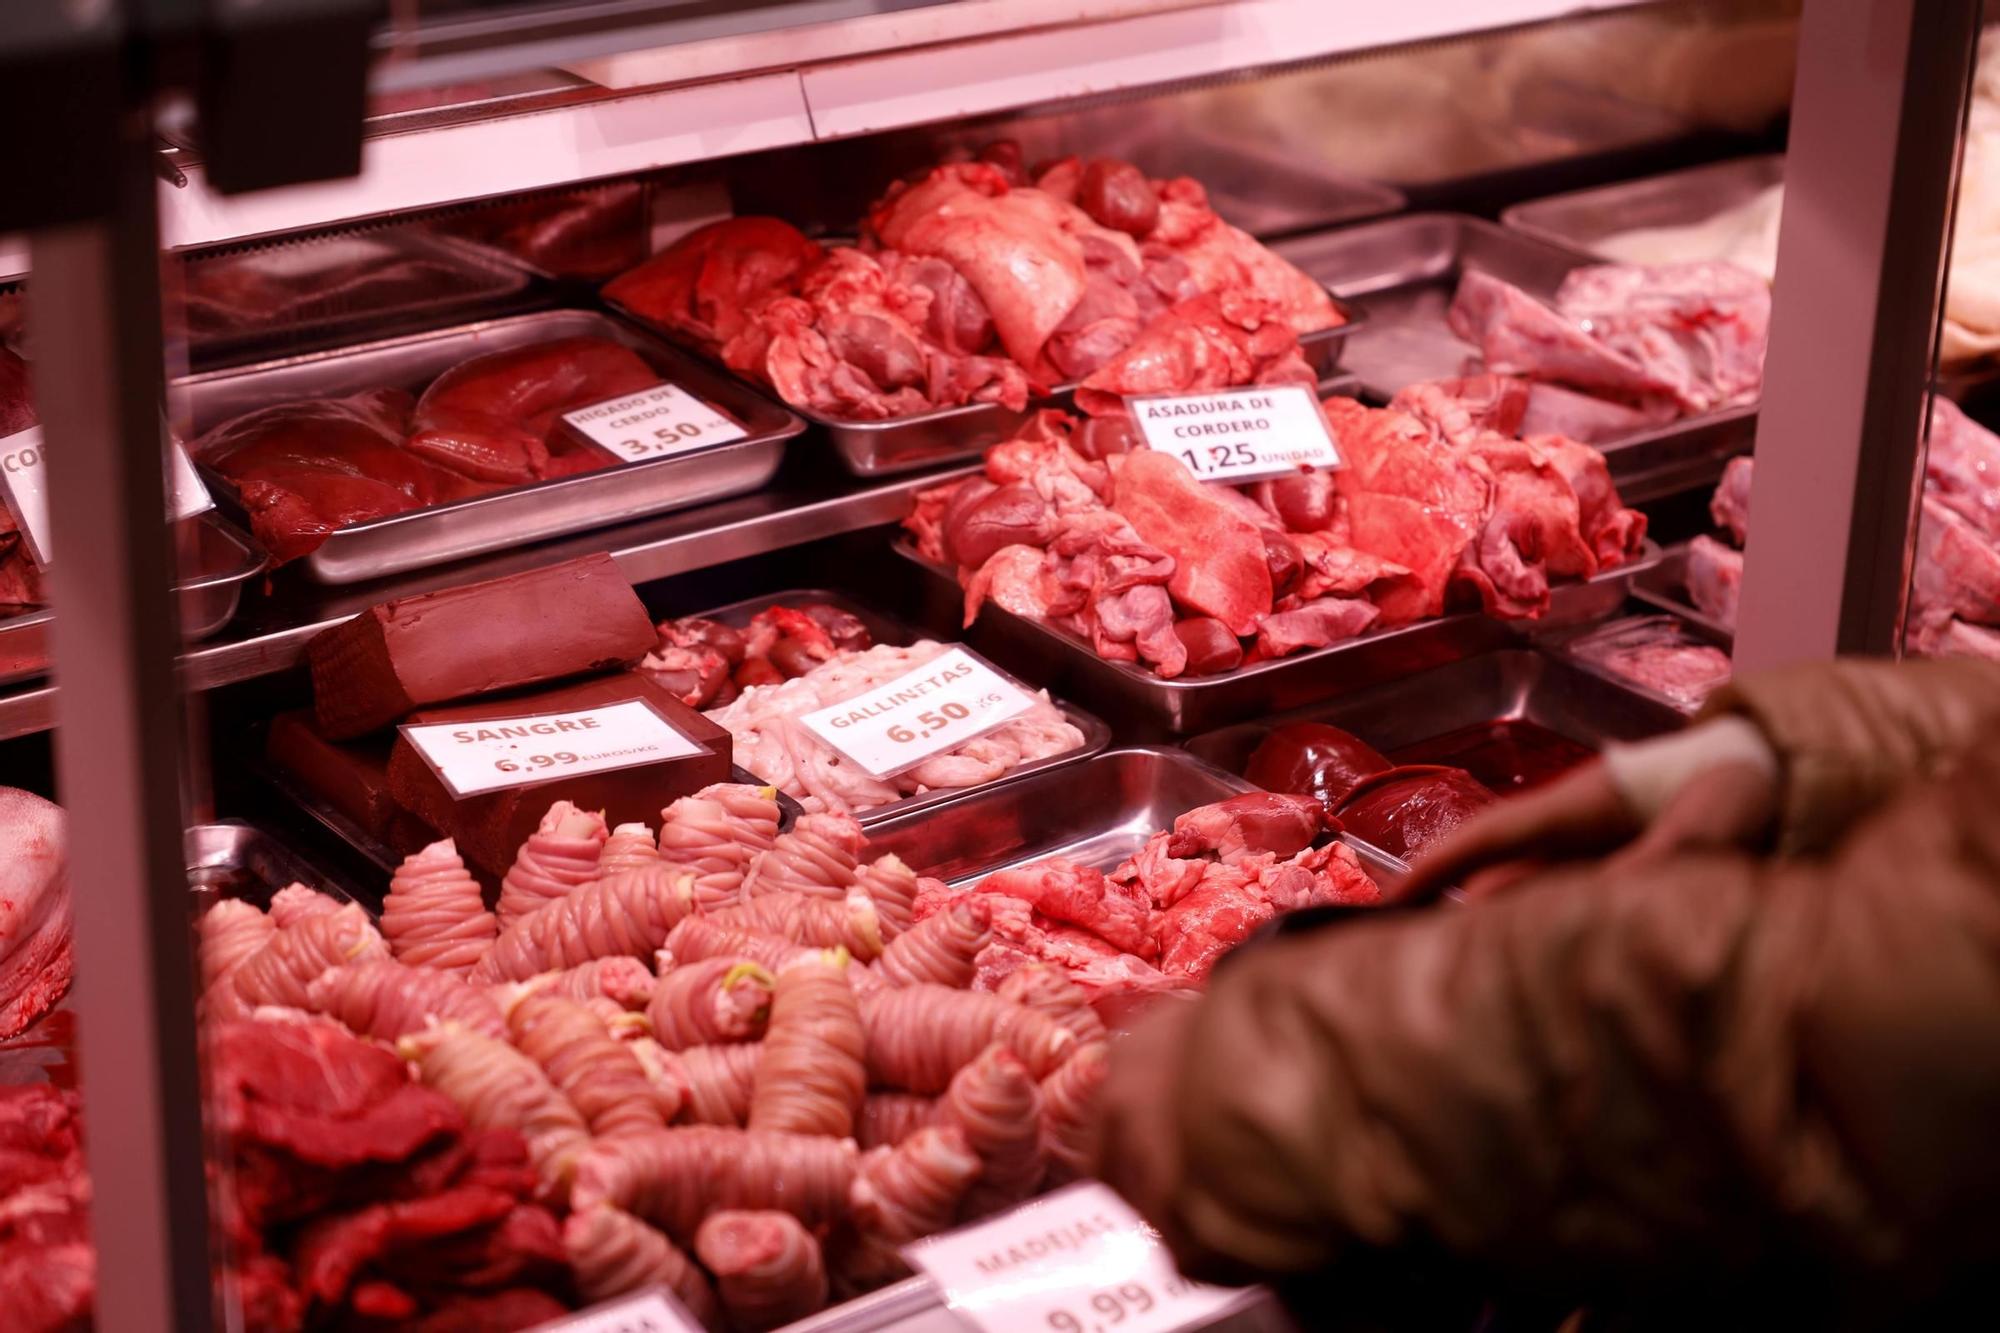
238 860
951 434
1664 587
1142 706
471 283
888 629
1582 219
1095 813
1403 271
1513 684
1562 643
220 562
505 519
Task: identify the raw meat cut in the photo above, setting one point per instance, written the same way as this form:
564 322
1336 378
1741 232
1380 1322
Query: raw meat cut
1212 341
47 1264
1714 578
496 418
35 958
1730 505
304 470
1657 653
1662 341
708 282
1406 809
1219 565
1313 759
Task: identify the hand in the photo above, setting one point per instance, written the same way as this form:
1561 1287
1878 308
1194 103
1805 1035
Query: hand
1580 815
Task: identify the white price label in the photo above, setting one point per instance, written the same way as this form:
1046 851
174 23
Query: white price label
24 476
938 706
654 423
1075 1261
643 1312
499 752
1239 434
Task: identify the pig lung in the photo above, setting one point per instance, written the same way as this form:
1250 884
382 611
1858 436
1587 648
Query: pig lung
35 962
1220 568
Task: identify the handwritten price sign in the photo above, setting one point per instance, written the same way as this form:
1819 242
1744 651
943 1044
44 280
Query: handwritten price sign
654 423
936 707
1075 1261
500 752
1239 434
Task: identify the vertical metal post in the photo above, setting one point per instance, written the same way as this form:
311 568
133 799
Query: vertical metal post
95 321
1877 115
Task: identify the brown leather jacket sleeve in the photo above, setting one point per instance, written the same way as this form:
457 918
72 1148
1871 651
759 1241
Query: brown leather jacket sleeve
1849 734
1696 1067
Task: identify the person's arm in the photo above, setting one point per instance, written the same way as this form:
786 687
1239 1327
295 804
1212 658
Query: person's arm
1848 734
1691 1067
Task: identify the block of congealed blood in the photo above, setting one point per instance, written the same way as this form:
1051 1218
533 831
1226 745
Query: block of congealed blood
490 825
351 779
525 629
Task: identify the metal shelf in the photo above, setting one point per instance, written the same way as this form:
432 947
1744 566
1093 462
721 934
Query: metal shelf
856 75
270 633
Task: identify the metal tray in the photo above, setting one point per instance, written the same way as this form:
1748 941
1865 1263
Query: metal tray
237 860
1146 707
221 561
1095 813
1403 271
887 629
1562 643
505 519
951 434
469 283
1583 219
1514 684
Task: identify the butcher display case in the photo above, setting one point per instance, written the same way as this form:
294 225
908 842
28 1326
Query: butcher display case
677 508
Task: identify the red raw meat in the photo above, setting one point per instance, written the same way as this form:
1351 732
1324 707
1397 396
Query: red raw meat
49 1288
1313 759
1961 468
35 959
1730 505
1958 569
499 1312
1958 639
1409 501
1081 896
1533 529
1219 562
1314 624
706 284
1463 409
1406 809
1714 578
1700 328
1554 410
492 418
17 402
304 470
47 1264
1018 248
1206 924
1245 825
316 1093
1213 341
1222 258
1518 335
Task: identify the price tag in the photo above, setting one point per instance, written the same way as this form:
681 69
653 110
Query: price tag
499 752
1075 1261
24 477
1239 434
649 1311
938 706
654 423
